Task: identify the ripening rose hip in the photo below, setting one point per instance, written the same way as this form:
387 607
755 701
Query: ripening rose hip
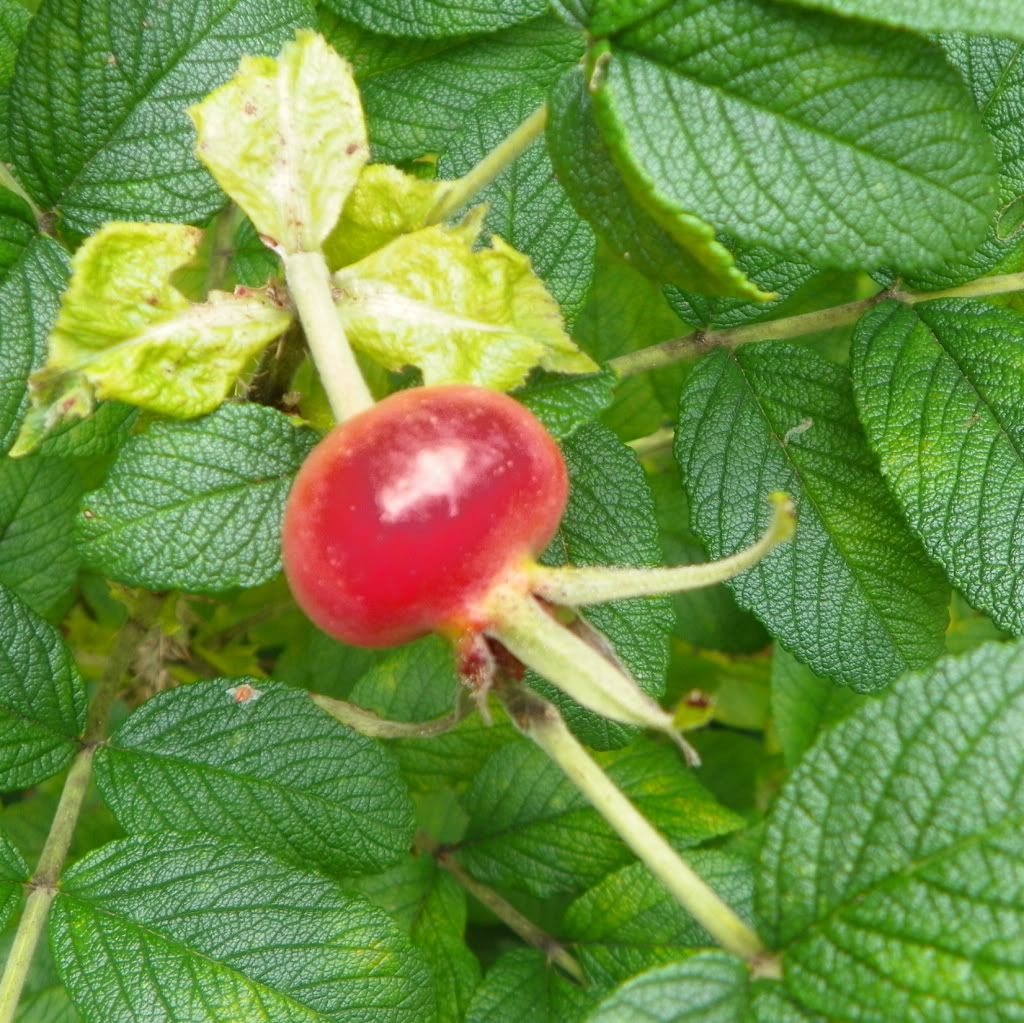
405 517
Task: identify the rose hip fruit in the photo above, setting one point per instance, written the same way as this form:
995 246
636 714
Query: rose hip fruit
405 517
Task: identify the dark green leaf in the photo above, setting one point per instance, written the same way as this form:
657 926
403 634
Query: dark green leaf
528 209
14 19
760 118
710 987
709 617
418 683
257 761
564 403
413 109
436 19
893 860
101 434
196 505
98 124
983 17
610 521
522 987
531 830
942 400
38 500
853 595
17 222
42 698
804 704
29 297
628 923
683 251
212 931
13 875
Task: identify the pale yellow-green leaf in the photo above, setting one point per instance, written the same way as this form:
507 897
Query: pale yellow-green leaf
286 140
428 299
385 203
126 332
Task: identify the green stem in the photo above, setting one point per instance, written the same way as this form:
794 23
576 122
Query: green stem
653 443
542 723
12 184
309 283
506 912
42 888
368 723
683 349
463 190
577 587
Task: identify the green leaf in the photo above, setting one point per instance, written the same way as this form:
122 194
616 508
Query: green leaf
215 931
710 987
42 698
101 434
531 830
564 403
627 923
434 19
610 521
50 1005
522 987
124 331
30 297
526 205
759 117
13 875
459 313
97 122
196 505
257 762
994 72
285 139
14 19
710 617
853 595
413 108
942 401
804 705
893 859
682 250
982 17
38 500
418 682
17 221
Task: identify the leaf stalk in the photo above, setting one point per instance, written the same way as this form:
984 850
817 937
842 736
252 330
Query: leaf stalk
463 190
543 724
42 888
309 283
691 346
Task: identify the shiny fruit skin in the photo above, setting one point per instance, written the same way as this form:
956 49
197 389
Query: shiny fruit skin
404 517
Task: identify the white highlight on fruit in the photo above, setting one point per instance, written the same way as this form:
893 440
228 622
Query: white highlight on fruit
437 474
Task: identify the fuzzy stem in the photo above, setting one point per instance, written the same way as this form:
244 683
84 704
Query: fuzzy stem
42 888
542 723
653 443
577 587
463 190
368 723
682 349
309 283
506 912
575 666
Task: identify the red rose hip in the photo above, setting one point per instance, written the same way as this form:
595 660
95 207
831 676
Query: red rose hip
404 517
